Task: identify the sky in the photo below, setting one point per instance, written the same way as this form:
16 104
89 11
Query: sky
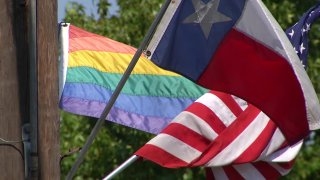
90 7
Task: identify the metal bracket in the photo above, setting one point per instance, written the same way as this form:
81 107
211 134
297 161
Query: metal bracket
26 149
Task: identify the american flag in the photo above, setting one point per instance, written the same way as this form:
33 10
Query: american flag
298 33
225 133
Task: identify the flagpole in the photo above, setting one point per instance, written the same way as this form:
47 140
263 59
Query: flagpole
122 167
33 170
117 91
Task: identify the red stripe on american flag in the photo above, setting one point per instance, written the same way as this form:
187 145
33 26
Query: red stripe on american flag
232 173
266 170
257 147
284 145
287 165
207 115
229 101
188 136
228 135
209 174
160 156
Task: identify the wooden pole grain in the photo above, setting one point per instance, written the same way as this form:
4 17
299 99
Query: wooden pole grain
48 114
15 88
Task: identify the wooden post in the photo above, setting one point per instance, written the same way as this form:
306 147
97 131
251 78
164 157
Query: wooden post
13 87
48 117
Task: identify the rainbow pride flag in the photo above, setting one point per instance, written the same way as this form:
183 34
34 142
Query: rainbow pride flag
150 99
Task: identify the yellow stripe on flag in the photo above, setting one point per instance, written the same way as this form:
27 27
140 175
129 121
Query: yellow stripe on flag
114 63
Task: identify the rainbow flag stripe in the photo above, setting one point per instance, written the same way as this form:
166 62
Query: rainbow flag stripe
150 99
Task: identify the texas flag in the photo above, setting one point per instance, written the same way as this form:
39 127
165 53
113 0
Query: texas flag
237 47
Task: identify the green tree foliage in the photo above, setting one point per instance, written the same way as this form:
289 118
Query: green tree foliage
115 143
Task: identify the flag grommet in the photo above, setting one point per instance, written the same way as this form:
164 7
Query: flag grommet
147 53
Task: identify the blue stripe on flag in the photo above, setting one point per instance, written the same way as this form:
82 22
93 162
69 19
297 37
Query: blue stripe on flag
143 105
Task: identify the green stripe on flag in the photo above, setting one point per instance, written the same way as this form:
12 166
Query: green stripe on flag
138 84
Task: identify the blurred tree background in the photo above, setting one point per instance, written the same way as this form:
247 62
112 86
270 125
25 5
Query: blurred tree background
114 143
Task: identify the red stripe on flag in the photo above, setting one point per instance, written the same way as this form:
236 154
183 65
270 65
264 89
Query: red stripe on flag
263 78
209 174
257 147
84 40
207 115
187 136
266 170
229 101
228 135
287 165
160 156
285 144
232 173
76 32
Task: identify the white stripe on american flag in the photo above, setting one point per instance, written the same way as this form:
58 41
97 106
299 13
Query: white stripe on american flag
180 149
248 171
218 107
196 124
219 173
242 103
274 144
280 169
241 143
286 154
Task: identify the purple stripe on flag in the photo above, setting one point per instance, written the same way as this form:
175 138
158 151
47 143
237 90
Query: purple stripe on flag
139 104
94 109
